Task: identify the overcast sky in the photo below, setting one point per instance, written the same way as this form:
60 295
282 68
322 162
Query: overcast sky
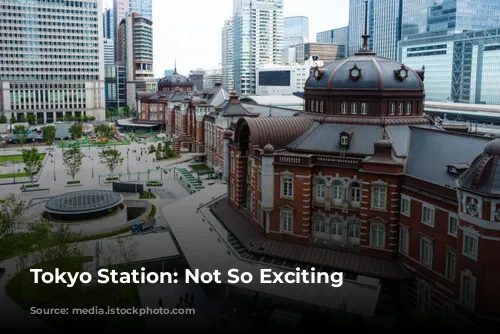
190 30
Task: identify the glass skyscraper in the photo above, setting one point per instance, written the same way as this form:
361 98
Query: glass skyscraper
296 30
108 24
143 7
333 36
432 18
357 25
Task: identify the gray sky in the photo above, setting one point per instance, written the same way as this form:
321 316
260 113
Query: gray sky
190 30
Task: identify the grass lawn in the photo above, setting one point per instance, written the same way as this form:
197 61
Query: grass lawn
200 168
11 175
16 158
26 294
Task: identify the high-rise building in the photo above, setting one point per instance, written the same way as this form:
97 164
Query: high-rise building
383 26
458 68
333 36
135 36
433 18
59 80
109 51
143 7
296 31
114 78
258 39
227 55
196 78
387 27
108 25
323 52
357 25
212 77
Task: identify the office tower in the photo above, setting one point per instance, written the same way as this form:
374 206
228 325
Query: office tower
212 77
196 77
323 52
258 39
143 7
357 25
108 25
333 36
135 36
109 51
227 55
386 27
44 75
296 31
433 18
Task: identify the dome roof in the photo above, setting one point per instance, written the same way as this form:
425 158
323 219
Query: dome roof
365 72
86 201
175 79
268 149
484 174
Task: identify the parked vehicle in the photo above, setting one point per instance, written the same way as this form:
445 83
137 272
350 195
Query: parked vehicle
143 226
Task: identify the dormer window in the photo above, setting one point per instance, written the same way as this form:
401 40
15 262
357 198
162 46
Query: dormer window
344 140
457 169
354 109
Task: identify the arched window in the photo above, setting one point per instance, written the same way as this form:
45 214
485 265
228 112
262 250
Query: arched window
320 189
336 226
355 192
354 231
338 190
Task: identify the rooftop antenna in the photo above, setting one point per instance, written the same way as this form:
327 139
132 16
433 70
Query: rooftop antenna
365 50
175 66
270 111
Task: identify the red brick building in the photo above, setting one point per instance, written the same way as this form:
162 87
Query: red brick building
365 183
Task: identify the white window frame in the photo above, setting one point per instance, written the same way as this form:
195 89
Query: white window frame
473 253
468 298
285 179
357 190
286 226
343 108
364 108
404 240
344 140
432 212
260 214
233 163
336 229
451 264
380 229
409 108
424 304
338 189
353 229
452 231
404 199
320 192
379 197
354 108
426 241
392 109
401 108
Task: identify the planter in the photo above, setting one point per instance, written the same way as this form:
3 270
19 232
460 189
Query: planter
69 183
112 179
72 185
32 186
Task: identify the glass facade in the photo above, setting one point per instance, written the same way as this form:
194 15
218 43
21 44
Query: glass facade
296 30
386 27
334 36
433 18
109 24
458 68
143 7
357 25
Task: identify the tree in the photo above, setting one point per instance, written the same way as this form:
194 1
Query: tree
11 215
24 119
70 118
152 149
31 118
39 121
49 134
72 160
159 147
32 162
126 112
111 158
103 130
108 114
21 133
3 119
91 118
76 130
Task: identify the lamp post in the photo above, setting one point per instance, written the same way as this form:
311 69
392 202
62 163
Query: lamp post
54 162
14 170
92 159
128 171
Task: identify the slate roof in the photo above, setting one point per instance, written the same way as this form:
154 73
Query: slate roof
376 73
270 111
431 151
484 173
251 238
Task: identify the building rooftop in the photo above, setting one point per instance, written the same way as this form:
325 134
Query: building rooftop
276 101
85 201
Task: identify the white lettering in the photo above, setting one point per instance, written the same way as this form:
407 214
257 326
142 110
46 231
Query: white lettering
102 273
206 277
36 271
233 278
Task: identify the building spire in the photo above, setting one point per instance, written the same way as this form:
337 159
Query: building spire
175 66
